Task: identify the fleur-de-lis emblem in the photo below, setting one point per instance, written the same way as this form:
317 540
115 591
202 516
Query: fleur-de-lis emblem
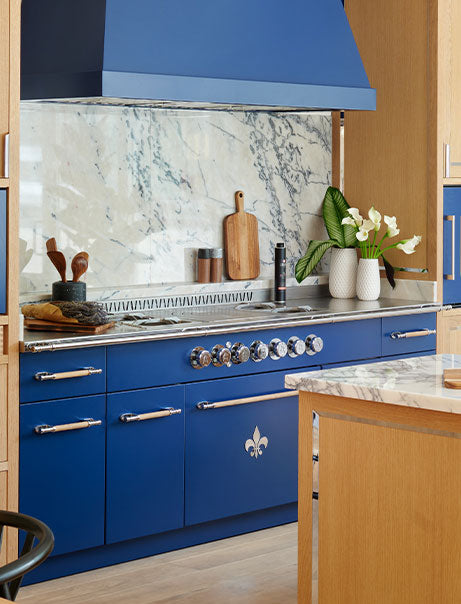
256 443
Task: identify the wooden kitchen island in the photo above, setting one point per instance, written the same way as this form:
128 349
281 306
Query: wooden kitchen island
383 501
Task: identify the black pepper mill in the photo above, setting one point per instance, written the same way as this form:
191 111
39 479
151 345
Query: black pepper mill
280 273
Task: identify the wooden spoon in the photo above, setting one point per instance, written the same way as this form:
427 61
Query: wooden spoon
59 261
79 265
51 245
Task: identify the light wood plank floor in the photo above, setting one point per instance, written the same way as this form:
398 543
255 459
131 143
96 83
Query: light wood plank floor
258 568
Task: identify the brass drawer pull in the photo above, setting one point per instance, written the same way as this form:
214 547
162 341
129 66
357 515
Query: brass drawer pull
44 376
126 418
86 423
244 401
400 335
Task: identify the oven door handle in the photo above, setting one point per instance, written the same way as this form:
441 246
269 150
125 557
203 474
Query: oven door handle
204 405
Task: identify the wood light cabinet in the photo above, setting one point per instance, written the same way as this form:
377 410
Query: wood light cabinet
450 82
4 80
10 19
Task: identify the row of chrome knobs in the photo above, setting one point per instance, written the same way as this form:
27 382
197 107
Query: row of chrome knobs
258 351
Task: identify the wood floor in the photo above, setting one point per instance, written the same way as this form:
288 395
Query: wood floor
258 568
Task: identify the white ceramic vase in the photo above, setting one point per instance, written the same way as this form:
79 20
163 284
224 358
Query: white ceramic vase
368 279
343 272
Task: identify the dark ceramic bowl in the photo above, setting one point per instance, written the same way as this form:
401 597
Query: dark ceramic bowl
69 291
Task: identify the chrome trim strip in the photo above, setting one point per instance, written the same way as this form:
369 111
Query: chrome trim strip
101 340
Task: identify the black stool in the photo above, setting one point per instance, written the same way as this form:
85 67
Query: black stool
11 574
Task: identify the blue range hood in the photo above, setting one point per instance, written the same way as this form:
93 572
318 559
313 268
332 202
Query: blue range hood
260 53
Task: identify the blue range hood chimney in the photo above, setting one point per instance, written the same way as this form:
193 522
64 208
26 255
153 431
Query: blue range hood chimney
261 53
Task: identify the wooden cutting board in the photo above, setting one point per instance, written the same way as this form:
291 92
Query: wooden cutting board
38 324
452 378
241 242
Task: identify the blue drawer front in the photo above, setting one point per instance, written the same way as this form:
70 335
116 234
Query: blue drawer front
451 245
3 240
145 465
223 478
62 474
408 323
155 363
54 362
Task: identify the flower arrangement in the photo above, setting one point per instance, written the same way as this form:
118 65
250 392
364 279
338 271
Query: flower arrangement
346 228
368 245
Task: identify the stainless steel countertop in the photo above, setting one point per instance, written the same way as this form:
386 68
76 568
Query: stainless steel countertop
221 319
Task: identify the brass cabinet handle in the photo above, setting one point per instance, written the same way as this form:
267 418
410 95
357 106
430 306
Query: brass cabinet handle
451 276
44 376
400 335
86 423
203 405
126 418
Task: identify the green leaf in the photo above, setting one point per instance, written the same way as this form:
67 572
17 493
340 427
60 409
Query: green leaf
334 210
313 255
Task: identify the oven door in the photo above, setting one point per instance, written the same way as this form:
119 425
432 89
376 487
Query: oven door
243 456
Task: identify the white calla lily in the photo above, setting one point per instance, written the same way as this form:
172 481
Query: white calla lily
375 218
408 245
348 220
354 212
366 227
392 229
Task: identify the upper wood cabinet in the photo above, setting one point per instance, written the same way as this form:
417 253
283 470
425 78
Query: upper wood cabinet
390 156
4 78
450 88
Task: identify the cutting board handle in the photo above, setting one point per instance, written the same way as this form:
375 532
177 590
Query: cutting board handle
239 201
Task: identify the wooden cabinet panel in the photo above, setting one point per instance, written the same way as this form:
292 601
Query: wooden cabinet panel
449 331
4 76
3 506
450 83
3 413
389 154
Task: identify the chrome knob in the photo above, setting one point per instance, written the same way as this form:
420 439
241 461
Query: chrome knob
220 355
296 347
314 344
200 358
277 349
240 353
259 351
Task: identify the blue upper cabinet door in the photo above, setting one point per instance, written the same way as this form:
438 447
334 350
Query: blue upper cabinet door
3 292
244 457
451 245
62 474
145 463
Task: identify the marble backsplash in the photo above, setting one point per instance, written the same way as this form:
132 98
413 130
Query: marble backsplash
140 188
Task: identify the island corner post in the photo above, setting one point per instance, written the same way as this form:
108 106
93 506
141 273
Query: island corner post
389 503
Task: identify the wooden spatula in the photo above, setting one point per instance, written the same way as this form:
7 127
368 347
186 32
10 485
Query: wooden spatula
241 242
51 245
59 261
79 265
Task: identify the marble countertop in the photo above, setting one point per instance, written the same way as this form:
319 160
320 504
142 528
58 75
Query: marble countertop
414 382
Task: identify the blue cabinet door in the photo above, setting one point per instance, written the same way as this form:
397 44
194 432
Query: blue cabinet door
243 457
145 464
451 245
62 474
3 240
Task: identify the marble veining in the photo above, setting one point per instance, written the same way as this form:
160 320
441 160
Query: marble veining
141 188
415 382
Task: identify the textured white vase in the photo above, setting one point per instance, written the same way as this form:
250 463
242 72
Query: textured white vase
343 272
368 279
